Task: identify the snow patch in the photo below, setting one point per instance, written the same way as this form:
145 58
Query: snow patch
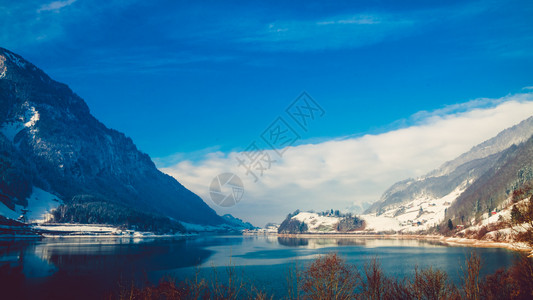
79 228
2 67
40 205
11 128
33 118
17 61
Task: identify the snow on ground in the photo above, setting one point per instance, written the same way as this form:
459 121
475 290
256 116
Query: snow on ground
79 228
380 223
33 118
420 214
502 212
90 230
40 204
317 223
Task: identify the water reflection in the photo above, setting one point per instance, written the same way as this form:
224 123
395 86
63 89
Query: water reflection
61 268
293 242
370 242
83 268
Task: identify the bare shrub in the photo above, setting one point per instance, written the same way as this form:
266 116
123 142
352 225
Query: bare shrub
397 289
373 286
471 280
329 277
431 284
497 286
522 275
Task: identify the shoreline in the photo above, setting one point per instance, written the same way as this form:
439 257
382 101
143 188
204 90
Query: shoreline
451 241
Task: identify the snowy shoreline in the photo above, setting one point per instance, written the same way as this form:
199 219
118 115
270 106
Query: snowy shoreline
452 241
66 230
39 231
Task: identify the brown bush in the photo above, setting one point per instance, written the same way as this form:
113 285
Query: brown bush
374 283
521 274
329 277
431 284
497 286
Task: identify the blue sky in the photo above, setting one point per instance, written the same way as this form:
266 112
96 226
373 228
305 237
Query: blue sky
194 82
185 76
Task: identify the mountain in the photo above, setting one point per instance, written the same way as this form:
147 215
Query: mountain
50 142
238 223
511 173
466 190
464 170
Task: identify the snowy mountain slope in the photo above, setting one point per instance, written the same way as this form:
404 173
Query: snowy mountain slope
468 167
422 213
463 190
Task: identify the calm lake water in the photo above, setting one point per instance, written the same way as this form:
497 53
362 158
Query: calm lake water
89 268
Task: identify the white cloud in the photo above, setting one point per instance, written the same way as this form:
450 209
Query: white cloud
333 33
359 19
56 5
28 24
337 173
345 31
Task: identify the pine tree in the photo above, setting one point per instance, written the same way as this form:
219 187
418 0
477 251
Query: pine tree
450 224
516 215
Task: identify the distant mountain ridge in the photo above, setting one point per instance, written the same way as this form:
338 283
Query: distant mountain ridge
50 140
464 170
238 223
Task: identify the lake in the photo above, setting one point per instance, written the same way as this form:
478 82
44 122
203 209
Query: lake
78 268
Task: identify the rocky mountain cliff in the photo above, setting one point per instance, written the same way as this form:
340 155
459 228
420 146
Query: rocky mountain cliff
50 140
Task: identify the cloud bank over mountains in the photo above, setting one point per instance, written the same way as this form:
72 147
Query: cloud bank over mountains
351 170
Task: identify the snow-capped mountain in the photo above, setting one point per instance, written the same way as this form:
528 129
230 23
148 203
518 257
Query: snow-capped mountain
463 190
51 145
462 171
